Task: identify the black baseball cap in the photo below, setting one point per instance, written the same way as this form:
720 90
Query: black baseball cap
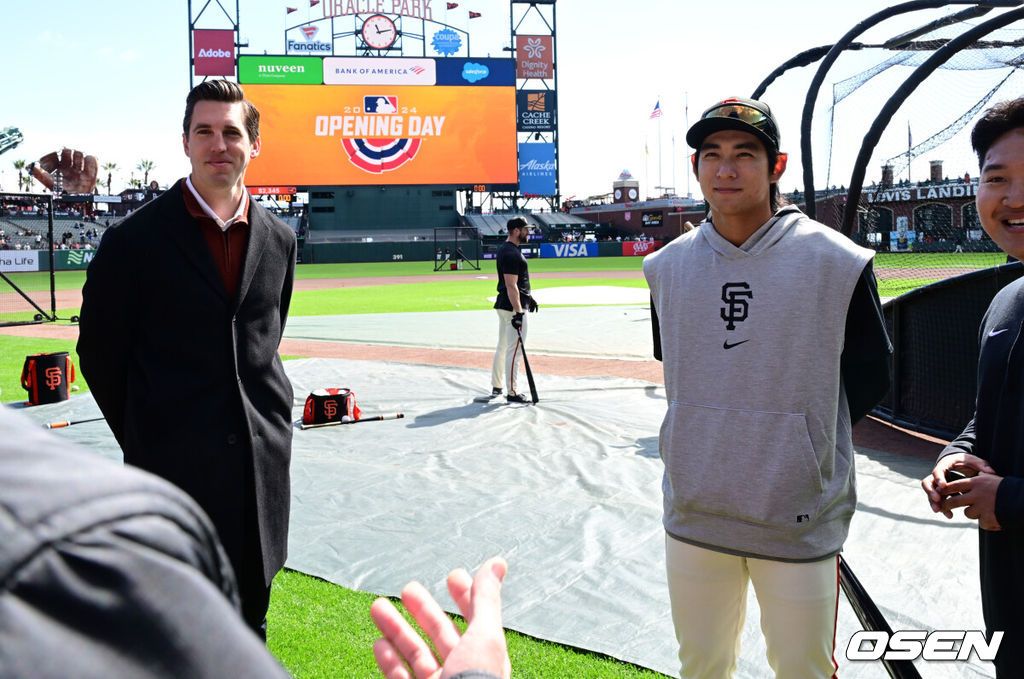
736 113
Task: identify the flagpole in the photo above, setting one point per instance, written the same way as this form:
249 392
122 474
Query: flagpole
673 163
687 117
909 143
647 185
660 183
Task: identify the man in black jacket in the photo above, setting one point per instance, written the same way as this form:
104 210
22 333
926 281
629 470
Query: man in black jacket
990 451
183 310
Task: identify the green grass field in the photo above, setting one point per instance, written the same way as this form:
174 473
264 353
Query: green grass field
318 629
938 260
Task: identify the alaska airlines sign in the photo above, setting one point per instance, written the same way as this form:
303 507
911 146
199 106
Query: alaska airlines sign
917 193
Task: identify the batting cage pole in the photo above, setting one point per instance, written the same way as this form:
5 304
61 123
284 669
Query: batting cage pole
6 310
451 244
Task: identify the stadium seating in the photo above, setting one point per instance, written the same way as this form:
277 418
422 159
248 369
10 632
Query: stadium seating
554 219
494 224
365 236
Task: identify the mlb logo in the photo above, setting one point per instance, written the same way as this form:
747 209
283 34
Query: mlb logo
378 103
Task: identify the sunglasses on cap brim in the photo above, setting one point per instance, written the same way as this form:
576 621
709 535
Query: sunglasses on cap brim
747 114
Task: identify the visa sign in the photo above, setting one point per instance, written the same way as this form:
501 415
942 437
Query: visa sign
549 250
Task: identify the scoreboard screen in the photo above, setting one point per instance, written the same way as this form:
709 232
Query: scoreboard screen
371 134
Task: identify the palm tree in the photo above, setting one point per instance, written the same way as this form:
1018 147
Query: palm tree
109 167
19 165
145 166
135 183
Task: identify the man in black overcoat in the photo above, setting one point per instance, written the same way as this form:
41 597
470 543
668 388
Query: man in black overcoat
183 310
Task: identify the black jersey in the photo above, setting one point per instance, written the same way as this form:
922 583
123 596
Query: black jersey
510 259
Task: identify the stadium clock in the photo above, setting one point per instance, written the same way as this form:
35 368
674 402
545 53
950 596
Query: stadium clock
379 32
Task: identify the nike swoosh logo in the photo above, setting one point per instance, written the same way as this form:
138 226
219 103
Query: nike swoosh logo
993 333
726 345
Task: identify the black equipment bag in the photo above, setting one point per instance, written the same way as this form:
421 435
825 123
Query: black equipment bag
46 377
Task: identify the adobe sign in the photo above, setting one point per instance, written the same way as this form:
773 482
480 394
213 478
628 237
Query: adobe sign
534 58
213 51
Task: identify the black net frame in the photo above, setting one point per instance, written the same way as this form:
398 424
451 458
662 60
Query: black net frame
18 307
456 247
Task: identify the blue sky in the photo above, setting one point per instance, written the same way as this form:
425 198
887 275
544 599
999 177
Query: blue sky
110 78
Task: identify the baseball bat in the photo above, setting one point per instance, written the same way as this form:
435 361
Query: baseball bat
374 418
526 363
68 423
872 619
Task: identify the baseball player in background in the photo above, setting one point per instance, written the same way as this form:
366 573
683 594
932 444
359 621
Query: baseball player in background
513 298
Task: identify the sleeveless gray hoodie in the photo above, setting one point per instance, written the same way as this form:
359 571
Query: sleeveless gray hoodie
756 441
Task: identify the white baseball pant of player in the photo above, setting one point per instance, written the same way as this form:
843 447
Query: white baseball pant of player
505 367
708 592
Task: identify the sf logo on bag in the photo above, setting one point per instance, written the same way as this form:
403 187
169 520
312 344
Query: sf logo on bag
324 406
54 378
46 377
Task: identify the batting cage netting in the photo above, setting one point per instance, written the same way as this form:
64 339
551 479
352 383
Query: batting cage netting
915 192
886 157
456 247
27 284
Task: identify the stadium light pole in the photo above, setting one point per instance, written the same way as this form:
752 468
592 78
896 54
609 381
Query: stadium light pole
874 134
806 152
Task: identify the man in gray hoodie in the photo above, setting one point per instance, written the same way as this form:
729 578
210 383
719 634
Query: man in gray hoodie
773 343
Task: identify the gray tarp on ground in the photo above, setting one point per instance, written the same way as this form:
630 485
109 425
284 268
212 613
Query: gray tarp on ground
569 492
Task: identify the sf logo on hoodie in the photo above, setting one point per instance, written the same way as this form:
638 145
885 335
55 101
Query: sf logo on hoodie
735 296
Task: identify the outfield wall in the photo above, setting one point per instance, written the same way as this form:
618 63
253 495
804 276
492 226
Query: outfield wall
423 251
14 261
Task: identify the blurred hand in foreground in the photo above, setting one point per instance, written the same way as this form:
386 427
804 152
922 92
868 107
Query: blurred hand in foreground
402 653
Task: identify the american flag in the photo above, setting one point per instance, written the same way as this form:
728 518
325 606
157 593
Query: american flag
656 113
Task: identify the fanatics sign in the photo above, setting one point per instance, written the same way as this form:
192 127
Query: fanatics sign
213 52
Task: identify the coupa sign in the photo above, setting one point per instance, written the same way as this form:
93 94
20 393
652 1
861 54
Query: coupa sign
550 250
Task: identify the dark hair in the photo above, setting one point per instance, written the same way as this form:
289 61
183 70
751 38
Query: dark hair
994 123
775 198
228 92
516 223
